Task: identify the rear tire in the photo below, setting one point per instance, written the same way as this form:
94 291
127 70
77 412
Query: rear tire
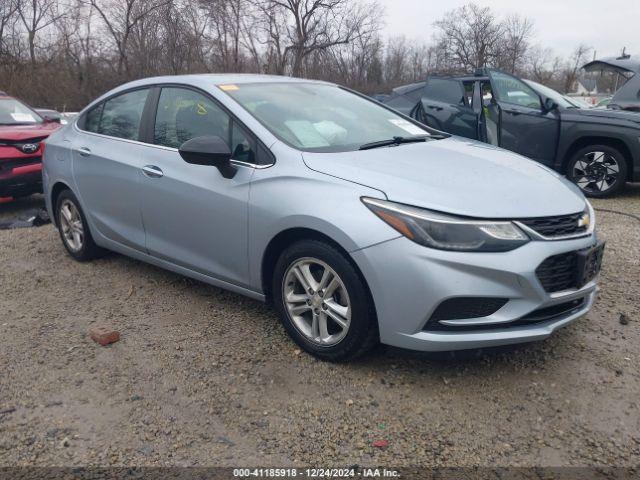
74 229
323 302
598 170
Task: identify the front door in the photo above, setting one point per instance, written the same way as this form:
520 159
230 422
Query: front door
525 127
193 216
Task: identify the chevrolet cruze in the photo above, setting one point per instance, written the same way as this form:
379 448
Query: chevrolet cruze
358 224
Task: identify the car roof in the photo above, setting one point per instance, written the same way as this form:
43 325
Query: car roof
205 81
626 63
214 79
462 78
403 89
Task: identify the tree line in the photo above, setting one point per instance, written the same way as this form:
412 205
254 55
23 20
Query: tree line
63 53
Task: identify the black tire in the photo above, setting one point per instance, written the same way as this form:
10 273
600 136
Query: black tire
362 334
89 250
590 184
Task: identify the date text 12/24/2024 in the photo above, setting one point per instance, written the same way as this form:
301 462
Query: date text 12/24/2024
315 473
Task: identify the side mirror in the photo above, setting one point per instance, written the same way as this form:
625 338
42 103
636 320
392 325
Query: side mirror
209 150
52 119
550 105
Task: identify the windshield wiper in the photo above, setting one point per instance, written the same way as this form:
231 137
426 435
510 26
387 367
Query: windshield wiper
392 141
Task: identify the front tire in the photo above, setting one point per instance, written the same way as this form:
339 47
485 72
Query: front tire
74 229
323 302
598 170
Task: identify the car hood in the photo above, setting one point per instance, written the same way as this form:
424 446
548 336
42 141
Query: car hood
457 176
604 114
26 132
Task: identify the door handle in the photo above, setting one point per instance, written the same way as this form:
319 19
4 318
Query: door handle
433 107
152 171
84 152
515 113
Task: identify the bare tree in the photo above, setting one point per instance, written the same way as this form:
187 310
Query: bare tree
315 25
472 35
575 62
81 48
517 33
37 15
120 17
8 17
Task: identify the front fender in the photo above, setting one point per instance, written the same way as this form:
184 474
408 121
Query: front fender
584 132
283 199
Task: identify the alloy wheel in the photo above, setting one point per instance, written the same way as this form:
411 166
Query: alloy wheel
71 224
596 172
317 301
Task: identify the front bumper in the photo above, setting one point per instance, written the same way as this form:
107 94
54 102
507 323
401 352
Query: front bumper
21 180
409 281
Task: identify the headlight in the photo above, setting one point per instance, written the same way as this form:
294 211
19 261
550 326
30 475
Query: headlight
444 232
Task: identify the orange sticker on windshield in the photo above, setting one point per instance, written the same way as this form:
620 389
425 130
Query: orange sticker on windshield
229 88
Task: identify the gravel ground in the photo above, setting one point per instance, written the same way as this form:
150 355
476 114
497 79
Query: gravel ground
206 377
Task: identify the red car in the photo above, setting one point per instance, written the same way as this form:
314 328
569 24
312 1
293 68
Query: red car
22 131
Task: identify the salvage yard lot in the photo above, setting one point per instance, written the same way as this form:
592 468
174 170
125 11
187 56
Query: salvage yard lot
206 377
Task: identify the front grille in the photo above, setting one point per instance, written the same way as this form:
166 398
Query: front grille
19 143
9 164
559 272
558 226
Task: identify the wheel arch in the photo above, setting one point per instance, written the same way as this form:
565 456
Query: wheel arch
288 237
613 142
56 190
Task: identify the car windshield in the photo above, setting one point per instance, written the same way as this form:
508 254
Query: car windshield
321 118
13 112
551 93
578 102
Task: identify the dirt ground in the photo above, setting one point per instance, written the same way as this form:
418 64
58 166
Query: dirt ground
206 377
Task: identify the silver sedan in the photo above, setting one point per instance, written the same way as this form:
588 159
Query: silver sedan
357 223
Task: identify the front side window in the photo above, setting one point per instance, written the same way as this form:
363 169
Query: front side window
184 114
121 115
320 118
509 89
14 112
552 94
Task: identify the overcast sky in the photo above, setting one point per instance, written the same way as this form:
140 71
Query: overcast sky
606 25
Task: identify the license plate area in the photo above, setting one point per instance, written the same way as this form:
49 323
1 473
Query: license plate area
589 264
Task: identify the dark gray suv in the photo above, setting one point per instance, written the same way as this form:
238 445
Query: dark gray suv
599 150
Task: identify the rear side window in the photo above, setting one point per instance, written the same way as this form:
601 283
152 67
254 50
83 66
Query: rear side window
121 115
445 90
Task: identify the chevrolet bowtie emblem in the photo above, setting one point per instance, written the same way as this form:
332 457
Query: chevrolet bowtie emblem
584 221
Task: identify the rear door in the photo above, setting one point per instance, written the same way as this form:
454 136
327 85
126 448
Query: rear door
446 106
107 158
524 126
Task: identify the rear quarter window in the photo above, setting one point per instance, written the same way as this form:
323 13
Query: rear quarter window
91 119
